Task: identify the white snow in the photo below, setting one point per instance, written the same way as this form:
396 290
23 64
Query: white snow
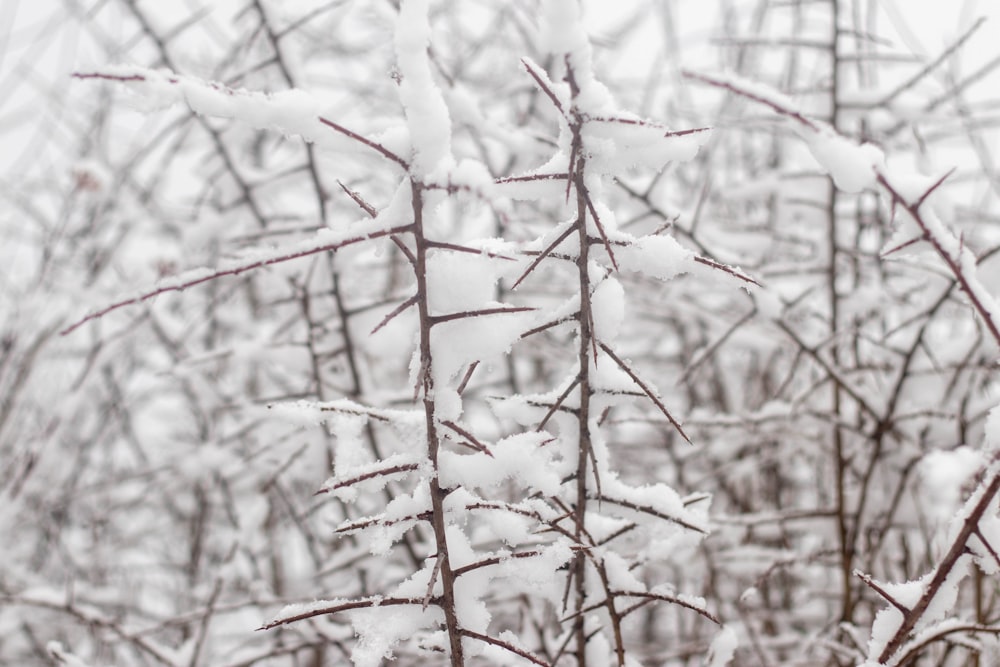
366 479
620 577
607 305
460 281
292 112
520 457
459 342
426 111
660 257
380 629
992 429
624 142
723 648
944 475
853 168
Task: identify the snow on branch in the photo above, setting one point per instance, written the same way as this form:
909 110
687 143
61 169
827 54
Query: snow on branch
934 594
291 112
426 111
961 261
302 611
852 167
917 610
325 240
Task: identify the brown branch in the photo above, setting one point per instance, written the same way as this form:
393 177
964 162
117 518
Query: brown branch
646 390
530 657
600 229
725 268
943 570
884 594
543 254
544 87
672 600
473 441
954 263
628 504
468 376
374 145
986 545
440 319
726 85
494 560
474 251
532 177
384 472
341 607
365 206
231 272
557 403
361 524
398 310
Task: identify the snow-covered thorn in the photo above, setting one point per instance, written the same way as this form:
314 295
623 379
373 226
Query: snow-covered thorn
531 177
725 268
548 325
421 376
695 498
336 607
430 584
465 314
406 467
543 254
646 390
684 133
361 524
727 85
473 443
374 145
600 228
558 402
468 376
643 509
507 646
495 560
444 245
358 410
904 244
365 206
395 312
403 248
671 599
574 156
646 123
989 547
933 187
178 284
871 583
540 80
112 77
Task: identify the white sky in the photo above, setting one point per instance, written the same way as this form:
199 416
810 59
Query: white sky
41 43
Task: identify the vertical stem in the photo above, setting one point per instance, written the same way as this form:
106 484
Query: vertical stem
844 528
433 442
586 345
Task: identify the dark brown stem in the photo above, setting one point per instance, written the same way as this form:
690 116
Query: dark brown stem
578 165
438 518
944 567
234 271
